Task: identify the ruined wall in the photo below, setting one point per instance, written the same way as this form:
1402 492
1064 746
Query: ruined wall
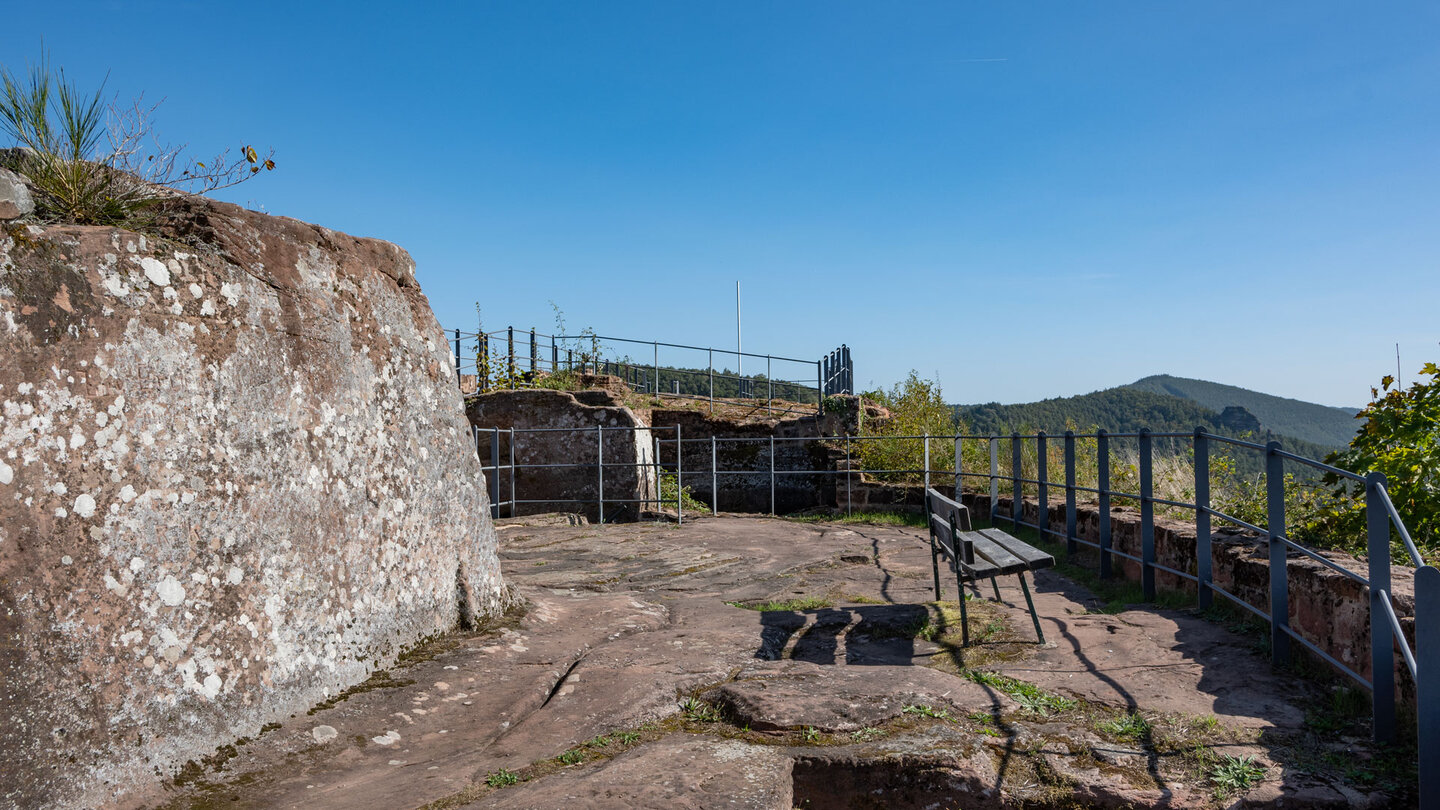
804 469
234 480
570 445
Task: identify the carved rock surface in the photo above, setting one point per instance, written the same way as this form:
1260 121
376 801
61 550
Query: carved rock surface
235 479
15 199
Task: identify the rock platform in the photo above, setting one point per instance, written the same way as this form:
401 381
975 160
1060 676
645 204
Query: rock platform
740 662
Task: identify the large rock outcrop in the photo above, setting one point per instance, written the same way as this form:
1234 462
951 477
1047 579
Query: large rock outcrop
235 478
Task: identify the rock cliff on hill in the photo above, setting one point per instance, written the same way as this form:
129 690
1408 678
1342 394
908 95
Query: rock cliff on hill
235 478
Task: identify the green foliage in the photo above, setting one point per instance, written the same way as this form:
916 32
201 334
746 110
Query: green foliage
1031 698
922 710
502 778
878 517
572 757
1126 727
1233 775
98 164
916 409
698 711
1401 438
668 495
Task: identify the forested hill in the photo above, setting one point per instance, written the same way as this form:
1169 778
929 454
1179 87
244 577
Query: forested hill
1125 410
1321 424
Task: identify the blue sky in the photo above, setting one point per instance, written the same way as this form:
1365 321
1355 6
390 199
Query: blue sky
1023 200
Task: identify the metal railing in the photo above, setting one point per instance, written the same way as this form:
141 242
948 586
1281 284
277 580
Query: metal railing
510 358
1422 661
652 470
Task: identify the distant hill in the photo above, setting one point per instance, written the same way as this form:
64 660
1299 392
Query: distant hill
1319 424
1126 410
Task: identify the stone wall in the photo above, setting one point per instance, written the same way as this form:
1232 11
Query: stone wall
569 444
234 480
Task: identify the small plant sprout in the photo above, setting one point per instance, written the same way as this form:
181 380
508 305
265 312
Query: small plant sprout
923 710
810 734
502 778
698 711
572 757
1235 774
1126 727
627 737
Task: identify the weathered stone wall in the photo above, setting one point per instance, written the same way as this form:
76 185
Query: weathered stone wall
569 440
234 480
742 458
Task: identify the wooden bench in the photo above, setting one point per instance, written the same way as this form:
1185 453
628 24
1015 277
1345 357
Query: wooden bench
976 555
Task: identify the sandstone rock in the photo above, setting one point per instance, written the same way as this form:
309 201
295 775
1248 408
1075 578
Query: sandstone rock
678 772
15 199
244 437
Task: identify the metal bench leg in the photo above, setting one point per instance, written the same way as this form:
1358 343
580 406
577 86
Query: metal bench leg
996 586
964 617
1040 634
935 564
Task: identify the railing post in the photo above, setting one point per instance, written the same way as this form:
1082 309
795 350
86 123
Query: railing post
512 472
820 388
1382 642
510 356
679 478
495 473
1427 681
927 461
657 374
994 475
712 381
457 356
1279 576
848 475
534 354
1018 499
1203 556
848 378
958 474
1070 545
1042 489
600 471
769 388
1147 517
772 475
714 479
1102 473
554 357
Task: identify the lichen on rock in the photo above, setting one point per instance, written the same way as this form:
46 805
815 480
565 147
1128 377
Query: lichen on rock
234 480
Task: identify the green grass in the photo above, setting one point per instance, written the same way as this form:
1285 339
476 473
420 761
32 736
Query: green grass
804 603
869 518
698 711
1233 775
1031 698
502 778
1126 727
922 710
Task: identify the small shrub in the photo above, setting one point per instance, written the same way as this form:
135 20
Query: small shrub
502 778
1233 775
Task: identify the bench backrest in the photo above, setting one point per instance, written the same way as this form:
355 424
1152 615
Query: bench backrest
948 520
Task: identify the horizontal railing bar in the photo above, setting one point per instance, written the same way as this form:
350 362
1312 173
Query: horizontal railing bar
1237 521
1241 602
1177 504
1399 524
1131 557
1168 569
1325 562
722 352
1320 465
1314 649
1399 634
1236 442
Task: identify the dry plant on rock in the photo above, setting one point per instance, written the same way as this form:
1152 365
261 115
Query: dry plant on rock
98 163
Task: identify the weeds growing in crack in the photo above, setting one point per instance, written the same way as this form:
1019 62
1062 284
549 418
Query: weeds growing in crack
502 778
1232 775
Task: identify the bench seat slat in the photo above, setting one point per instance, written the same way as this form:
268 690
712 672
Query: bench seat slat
1033 557
996 554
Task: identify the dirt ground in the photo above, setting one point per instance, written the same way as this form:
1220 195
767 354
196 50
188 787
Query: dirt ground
741 662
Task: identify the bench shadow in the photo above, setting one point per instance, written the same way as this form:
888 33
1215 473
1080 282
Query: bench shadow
871 635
